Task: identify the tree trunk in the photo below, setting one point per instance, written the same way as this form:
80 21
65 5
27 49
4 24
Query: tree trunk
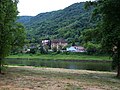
118 66
118 70
0 65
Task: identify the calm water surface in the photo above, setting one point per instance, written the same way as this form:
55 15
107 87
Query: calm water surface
68 64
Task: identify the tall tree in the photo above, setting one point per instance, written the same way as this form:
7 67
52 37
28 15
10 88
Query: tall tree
8 30
109 11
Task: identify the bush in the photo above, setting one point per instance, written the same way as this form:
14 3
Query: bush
54 49
43 50
92 48
33 50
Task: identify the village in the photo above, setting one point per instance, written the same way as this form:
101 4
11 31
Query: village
52 46
59 44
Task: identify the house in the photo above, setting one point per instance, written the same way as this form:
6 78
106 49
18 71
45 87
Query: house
58 43
76 49
45 42
71 49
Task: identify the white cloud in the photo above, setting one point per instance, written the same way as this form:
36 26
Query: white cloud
34 7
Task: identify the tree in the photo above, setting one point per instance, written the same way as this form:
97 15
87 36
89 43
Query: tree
90 38
18 38
92 48
10 31
109 10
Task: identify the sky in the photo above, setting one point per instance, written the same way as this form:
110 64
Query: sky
34 7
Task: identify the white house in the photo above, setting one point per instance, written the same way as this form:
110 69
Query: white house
45 42
76 49
71 49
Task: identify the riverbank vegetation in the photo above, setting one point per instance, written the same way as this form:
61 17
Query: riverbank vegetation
69 61
69 56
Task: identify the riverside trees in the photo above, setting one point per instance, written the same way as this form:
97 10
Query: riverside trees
11 33
109 28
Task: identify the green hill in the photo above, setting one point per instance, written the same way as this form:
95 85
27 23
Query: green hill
24 19
67 23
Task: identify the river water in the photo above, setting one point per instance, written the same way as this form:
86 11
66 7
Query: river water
68 64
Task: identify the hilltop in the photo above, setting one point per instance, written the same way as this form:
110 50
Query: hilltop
67 23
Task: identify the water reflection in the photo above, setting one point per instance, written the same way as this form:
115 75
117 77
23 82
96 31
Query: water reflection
86 65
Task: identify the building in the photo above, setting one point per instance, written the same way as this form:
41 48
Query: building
76 49
58 43
45 42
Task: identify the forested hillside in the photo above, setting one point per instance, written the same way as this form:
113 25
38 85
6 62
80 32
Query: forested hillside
24 19
67 23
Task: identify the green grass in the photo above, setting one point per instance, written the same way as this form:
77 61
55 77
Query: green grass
62 57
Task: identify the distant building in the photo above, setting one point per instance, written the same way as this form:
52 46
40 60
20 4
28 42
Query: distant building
58 43
45 42
76 49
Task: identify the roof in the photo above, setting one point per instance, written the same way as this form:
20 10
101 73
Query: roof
45 41
58 41
76 49
71 49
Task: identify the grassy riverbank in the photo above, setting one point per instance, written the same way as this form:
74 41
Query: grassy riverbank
31 78
62 57
70 61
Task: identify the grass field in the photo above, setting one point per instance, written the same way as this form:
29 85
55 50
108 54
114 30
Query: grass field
32 78
62 57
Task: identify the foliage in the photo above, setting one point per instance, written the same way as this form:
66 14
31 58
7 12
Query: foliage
110 27
92 48
67 23
24 19
11 33
90 39
44 49
18 38
33 50
6 23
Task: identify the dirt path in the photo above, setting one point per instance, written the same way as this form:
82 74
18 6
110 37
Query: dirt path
32 78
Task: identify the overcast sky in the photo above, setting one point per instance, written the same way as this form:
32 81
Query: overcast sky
34 7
